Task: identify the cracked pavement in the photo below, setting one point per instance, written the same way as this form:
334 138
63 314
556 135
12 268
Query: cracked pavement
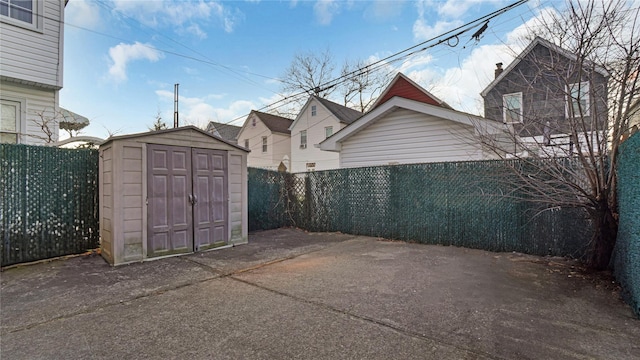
290 294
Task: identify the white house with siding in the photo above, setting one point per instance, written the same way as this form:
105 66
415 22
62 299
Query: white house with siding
318 119
405 131
31 59
269 139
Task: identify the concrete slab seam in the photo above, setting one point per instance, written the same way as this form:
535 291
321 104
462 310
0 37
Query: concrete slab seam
374 321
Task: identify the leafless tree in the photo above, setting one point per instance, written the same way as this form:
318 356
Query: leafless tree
313 74
309 72
571 160
361 86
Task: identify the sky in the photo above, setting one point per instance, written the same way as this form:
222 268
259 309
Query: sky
123 57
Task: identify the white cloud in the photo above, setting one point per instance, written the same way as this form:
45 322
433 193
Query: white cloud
197 31
384 10
83 13
122 54
180 14
324 11
424 31
457 8
197 111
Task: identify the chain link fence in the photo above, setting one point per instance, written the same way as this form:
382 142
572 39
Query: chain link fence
626 261
48 202
461 204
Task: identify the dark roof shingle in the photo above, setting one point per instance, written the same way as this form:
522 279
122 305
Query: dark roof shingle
344 114
275 123
225 131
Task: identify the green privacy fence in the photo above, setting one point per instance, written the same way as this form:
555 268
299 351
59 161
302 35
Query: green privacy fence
461 204
626 261
48 202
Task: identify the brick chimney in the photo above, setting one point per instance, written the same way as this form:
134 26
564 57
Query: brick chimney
498 70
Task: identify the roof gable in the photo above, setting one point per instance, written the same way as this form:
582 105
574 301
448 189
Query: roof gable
333 143
274 123
226 131
342 113
527 51
404 87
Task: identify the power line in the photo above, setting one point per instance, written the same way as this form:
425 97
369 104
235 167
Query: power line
455 33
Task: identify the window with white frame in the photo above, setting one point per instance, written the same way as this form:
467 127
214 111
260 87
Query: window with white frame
314 111
264 144
328 131
21 12
578 102
303 139
512 108
246 143
9 122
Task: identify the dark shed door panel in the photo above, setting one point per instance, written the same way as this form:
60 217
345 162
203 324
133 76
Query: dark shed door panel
169 182
211 194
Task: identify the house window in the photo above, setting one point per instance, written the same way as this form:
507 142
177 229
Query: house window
23 13
9 122
21 10
264 144
313 110
578 103
246 143
512 107
328 131
303 139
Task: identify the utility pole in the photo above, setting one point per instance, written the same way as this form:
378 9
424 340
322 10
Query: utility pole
175 106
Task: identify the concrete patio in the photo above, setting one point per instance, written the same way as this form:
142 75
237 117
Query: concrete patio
289 294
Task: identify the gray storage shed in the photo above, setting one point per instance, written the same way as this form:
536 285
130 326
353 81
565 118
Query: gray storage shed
170 192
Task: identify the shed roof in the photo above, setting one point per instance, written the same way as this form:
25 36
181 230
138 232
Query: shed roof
166 131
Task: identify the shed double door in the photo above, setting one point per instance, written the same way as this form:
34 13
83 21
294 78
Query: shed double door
187 202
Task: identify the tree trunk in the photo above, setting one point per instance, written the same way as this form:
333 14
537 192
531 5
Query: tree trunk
605 228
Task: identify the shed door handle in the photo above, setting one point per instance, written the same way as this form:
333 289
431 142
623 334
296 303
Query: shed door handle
193 199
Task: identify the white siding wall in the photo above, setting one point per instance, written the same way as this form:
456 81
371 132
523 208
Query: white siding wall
278 145
34 55
314 125
405 137
254 134
34 103
281 148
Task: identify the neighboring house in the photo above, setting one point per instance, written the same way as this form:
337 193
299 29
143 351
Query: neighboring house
224 131
410 125
544 93
318 120
403 131
31 63
269 139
